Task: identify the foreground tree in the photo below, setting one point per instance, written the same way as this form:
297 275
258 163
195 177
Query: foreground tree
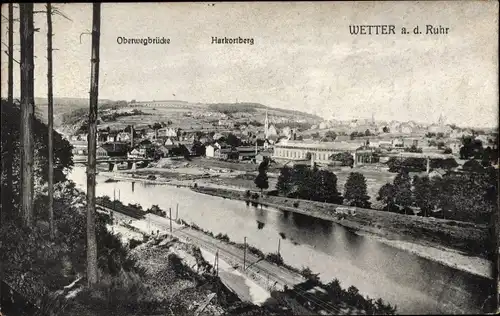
7 161
423 194
92 138
50 120
402 190
356 191
262 181
386 196
324 188
27 31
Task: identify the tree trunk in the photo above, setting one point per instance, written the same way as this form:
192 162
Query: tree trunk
7 161
51 120
27 110
91 167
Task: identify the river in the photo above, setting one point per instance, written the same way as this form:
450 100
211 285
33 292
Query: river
416 285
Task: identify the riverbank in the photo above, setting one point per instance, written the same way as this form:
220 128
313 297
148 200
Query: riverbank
260 280
451 243
444 241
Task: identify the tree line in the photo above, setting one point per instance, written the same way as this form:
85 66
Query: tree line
463 196
466 196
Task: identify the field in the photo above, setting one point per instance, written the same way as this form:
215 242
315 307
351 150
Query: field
185 115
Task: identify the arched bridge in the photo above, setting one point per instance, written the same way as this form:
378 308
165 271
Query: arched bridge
113 162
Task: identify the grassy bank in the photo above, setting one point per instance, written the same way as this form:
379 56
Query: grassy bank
467 238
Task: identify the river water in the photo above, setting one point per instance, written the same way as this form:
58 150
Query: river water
416 285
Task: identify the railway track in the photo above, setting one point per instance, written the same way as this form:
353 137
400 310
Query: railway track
229 253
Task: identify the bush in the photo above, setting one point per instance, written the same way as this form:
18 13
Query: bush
248 194
296 204
222 237
274 258
255 196
307 273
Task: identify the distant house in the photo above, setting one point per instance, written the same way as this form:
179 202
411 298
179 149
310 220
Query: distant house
145 143
220 145
227 153
111 137
79 150
167 132
246 153
398 142
137 153
101 152
165 151
83 137
261 156
196 149
217 136
123 137
210 151
168 142
115 149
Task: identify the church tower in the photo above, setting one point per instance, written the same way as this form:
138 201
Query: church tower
266 127
441 120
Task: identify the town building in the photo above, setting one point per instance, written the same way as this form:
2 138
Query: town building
115 150
319 152
123 137
167 132
137 153
227 153
246 152
210 151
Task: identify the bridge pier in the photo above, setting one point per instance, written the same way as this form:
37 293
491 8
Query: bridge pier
134 166
111 166
129 165
115 167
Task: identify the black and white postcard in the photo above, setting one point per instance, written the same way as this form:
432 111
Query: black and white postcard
249 158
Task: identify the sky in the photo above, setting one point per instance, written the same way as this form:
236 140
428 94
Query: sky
303 57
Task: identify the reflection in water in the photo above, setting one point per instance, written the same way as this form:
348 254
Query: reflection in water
260 225
133 185
414 284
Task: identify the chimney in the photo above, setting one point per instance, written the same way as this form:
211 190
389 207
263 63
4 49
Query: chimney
131 136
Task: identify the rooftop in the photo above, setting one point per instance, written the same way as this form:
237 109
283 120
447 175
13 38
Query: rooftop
321 145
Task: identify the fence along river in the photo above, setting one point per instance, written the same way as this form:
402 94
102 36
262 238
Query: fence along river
414 284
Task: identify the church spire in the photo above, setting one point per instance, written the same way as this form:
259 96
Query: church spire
441 120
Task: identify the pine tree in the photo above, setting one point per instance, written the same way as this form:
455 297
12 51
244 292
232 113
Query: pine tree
386 196
92 138
26 32
51 121
261 181
356 191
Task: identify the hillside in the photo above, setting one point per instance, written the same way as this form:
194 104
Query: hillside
62 106
181 114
